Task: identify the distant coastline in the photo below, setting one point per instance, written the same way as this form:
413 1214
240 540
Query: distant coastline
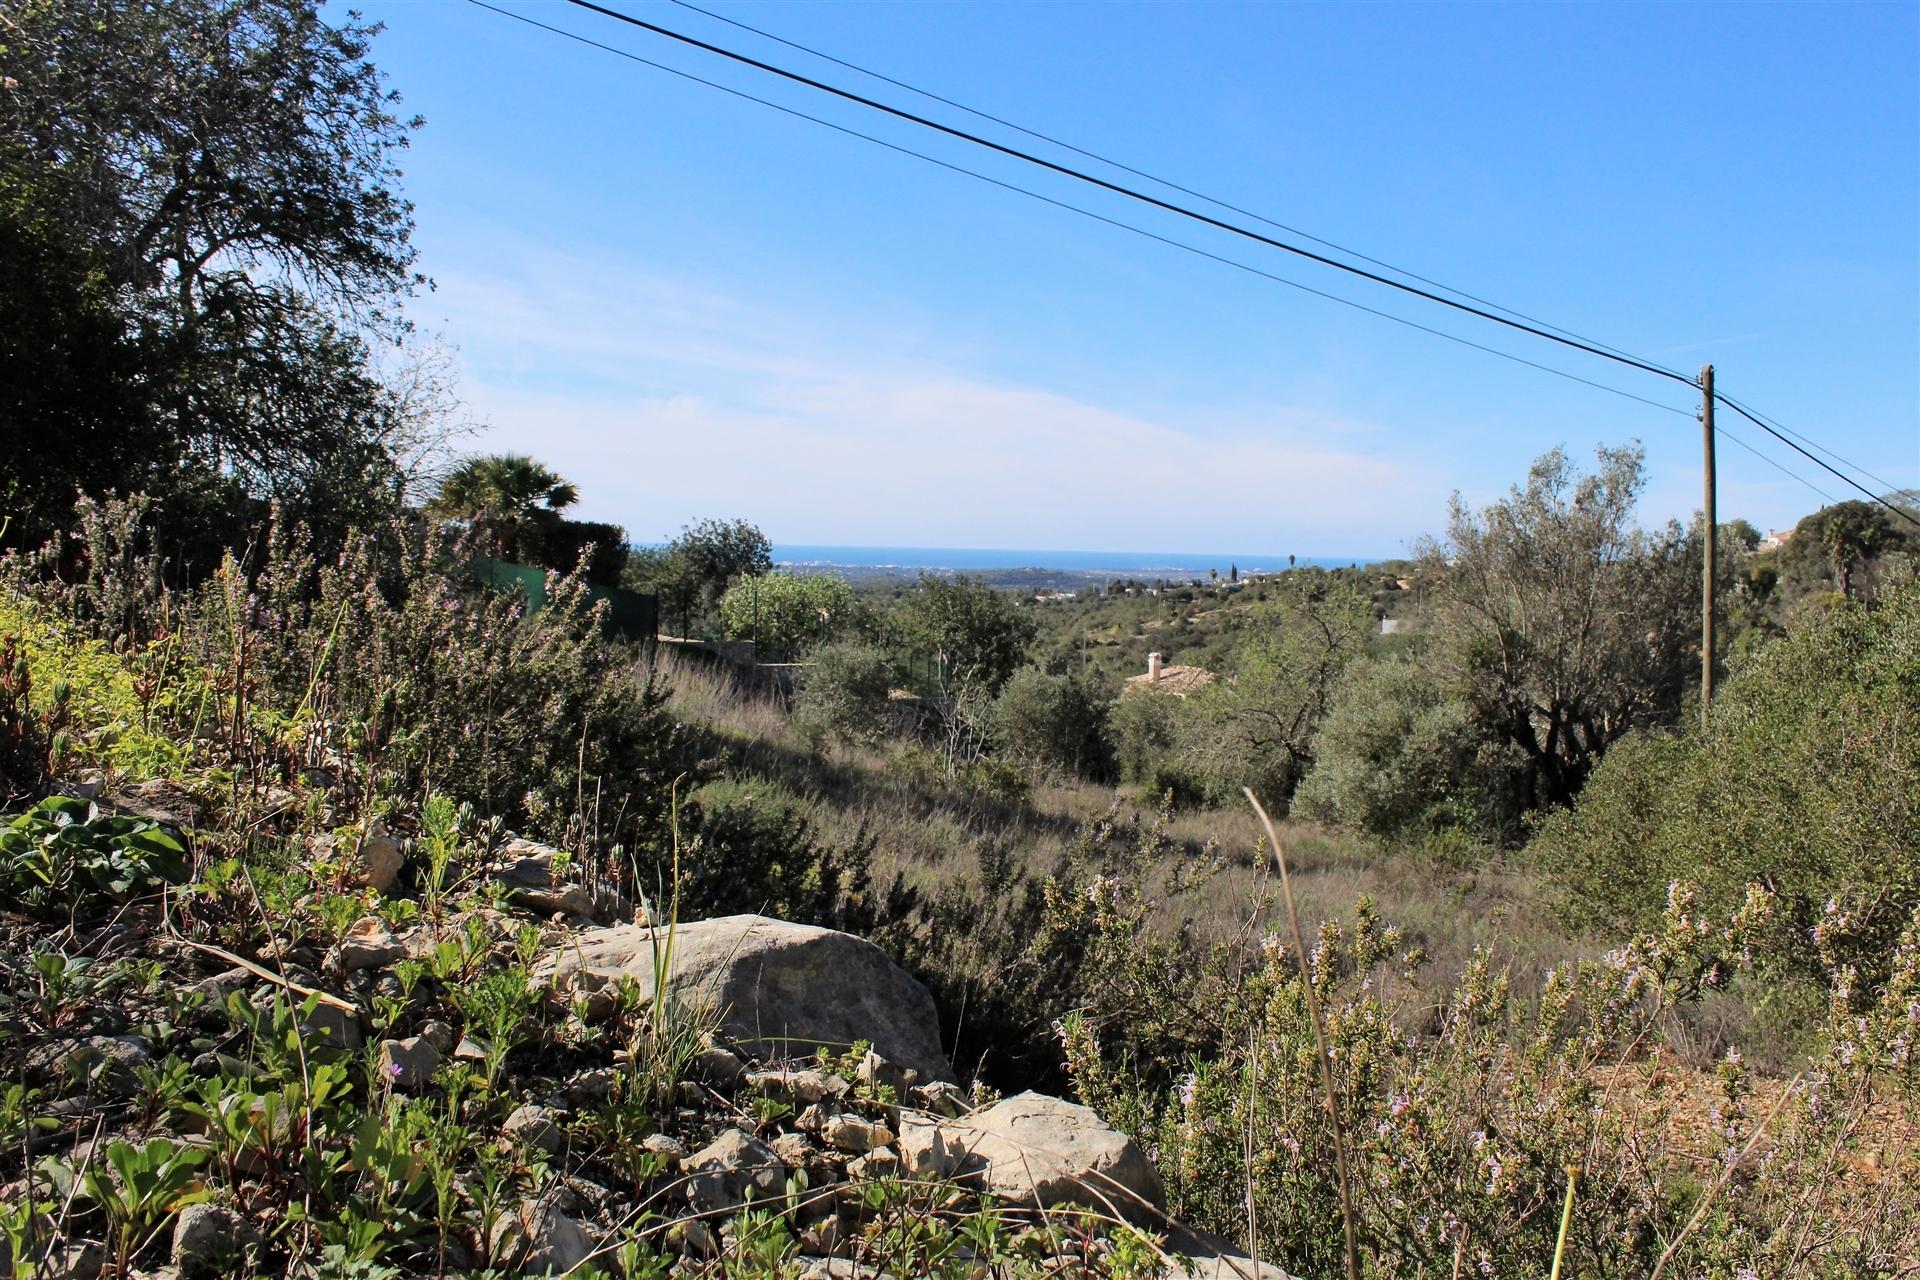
1101 565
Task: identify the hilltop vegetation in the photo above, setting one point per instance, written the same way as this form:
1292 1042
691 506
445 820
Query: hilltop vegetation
297 813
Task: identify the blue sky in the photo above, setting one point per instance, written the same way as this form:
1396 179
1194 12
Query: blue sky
692 305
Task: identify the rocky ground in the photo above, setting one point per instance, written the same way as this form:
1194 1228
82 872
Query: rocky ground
347 1067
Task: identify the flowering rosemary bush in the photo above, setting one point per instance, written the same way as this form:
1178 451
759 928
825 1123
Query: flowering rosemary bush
1463 1118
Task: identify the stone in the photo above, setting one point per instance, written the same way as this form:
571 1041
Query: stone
537 1239
925 1149
877 1073
378 858
367 944
722 1173
877 1163
857 1134
213 991
837 1269
108 1064
1036 1150
208 1239
666 1146
76 1260
692 1238
409 1063
440 1035
800 1088
468 1050
795 1150
718 1066
331 1027
942 1097
776 988
545 880
155 800
532 1126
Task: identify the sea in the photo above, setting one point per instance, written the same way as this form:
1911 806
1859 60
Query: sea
1145 565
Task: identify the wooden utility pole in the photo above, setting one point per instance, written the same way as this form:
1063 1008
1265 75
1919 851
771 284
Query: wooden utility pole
1707 566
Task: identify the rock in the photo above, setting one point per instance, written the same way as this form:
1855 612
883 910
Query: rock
837 1269
213 991
1226 1266
777 988
800 1088
877 1163
331 1027
849 1132
87 784
538 1239
546 880
439 1035
409 1063
208 1239
925 1149
718 1066
722 1173
795 1150
595 1084
367 944
877 1073
156 800
693 1238
667 1147
468 1050
378 858
77 1260
108 1064
941 1097
532 1126
1035 1150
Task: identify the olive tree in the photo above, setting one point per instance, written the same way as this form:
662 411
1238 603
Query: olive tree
1559 620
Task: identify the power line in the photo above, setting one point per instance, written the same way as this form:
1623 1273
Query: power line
1889 485
1196 216
1731 438
1177 244
1073 208
1122 190
1904 514
1169 183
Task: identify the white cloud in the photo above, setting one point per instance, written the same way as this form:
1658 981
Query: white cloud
666 403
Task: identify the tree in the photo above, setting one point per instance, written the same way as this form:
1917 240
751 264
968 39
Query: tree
197 142
1851 534
1562 623
979 636
691 574
786 613
717 553
1804 781
225 169
72 409
512 501
1258 729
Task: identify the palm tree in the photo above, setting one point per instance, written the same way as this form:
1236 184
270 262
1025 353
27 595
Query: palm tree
513 501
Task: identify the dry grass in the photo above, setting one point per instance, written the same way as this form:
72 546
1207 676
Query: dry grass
1218 881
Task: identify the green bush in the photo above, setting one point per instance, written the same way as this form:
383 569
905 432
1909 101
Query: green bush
1053 722
843 695
1807 780
753 848
1398 758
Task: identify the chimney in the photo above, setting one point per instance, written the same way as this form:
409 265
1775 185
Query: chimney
1153 668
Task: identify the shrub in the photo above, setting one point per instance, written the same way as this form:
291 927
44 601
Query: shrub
1806 779
753 848
1399 759
1054 722
844 695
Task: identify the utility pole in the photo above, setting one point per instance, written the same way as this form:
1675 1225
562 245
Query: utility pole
1707 566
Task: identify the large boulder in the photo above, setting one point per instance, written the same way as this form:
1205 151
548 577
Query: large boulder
777 989
1032 1149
